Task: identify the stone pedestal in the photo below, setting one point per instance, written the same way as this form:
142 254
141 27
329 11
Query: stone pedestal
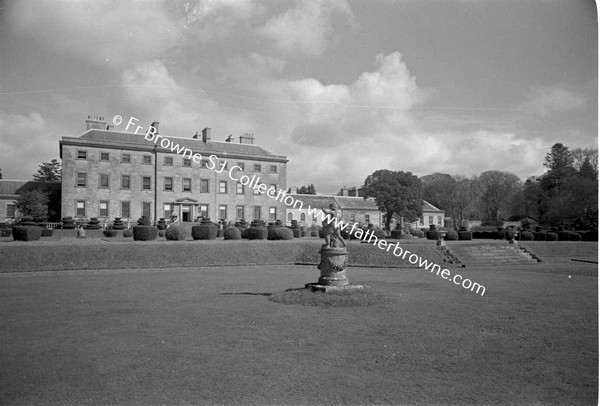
333 267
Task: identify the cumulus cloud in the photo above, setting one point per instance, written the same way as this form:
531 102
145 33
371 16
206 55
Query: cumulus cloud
306 27
547 100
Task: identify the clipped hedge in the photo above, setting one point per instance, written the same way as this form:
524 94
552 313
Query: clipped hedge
111 233
283 233
432 235
145 233
207 230
175 233
395 234
499 235
128 233
526 236
465 235
591 235
539 236
26 233
232 233
161 233
551 237
451 235
47 232
6 232
574 236
257 233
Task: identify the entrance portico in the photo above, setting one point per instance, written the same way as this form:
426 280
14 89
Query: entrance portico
186 209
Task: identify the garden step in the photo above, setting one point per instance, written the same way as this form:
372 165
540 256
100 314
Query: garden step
482 254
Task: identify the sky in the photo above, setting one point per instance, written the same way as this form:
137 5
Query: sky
341 87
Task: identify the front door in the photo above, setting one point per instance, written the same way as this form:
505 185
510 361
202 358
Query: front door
186 213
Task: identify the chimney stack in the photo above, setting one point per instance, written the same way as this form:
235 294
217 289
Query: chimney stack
195 136
95 122
155 125
293 190
247 138
206 135
230 138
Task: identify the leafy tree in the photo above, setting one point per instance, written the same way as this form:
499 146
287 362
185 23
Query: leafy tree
581 154
587 170
49 172
497 190
439 189
396 193
307 190
464 200
559 162
34 203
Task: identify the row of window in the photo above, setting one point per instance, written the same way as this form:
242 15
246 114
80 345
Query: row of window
81 209
168 161
168 184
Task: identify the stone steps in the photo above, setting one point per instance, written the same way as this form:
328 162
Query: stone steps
488 254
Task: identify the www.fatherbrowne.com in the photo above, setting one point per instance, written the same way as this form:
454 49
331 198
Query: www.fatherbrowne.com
282 196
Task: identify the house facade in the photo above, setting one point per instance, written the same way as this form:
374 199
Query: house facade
431 216
108 174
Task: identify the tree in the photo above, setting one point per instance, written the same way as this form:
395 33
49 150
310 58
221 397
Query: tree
587 170
49 172
464 200
559 162
398 194
439 190
497 190
0 173
307 190
580 155
33 203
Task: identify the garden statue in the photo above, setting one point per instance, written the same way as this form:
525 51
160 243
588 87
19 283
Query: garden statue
331 229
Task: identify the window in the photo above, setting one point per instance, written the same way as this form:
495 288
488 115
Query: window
257 167
147 160
10 210
203 185
274 187
290 217
168 161
187 184
239 212
205 163
239 188
256 191
146 182
81 179
273 168
103 206
104 156
431 220
103 182
81 154
125 182
256 212
352 217
169 184
367 219
223 186
187 162
272 213
146 209
302 217
80 206
125 210
168 210
204 210
126 158
241 165
223 212
314 217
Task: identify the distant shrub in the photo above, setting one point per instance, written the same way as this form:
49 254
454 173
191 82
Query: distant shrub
574 236
143 221
47 232
161 233
465 235
6 232
395 234
296 232
118 224
551 237
314 233
499 235
232 233
145 233
380 233
539 236
321 233
563 235
175 233
591 235
257 233
26 233
128 233
220 233
204 232
451 235
432 235
111 233
283 233
526 236
419 234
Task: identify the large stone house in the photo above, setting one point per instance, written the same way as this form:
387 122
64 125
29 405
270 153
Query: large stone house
108 174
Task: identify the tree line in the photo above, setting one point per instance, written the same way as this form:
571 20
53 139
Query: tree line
566 195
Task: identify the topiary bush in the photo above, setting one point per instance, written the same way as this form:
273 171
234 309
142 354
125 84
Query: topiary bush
380 233
27 221
162 233
396 234
419 234
432 235
499 235
207 230
539 236
465 235
175 233
26 233
551 237
6 232
162 224
526 236
574 236
283 233
111 233
451 235
145 233
258 233
128 233
563 235
118 224
232 233
93 224
591 235
47 232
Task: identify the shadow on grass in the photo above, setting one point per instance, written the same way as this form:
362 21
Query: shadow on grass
246 293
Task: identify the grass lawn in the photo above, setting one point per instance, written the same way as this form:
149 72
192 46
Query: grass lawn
212 336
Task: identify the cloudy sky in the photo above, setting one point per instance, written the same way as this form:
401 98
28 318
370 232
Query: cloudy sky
341 87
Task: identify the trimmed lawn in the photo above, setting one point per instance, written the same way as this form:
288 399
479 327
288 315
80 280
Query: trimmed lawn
211 336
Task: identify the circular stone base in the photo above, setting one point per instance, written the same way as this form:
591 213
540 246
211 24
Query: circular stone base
314 287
